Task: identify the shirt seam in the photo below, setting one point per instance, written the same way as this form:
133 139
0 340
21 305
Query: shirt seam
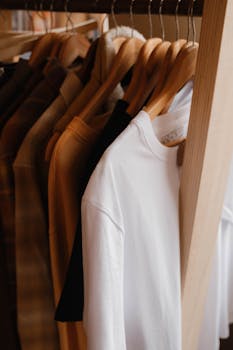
78 136
103 210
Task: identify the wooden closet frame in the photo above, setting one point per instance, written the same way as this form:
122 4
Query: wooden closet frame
209 144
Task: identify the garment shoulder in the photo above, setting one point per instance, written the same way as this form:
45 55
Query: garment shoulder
113 164
103 189
124 145
102 184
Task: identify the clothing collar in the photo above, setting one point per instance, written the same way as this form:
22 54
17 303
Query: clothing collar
170 126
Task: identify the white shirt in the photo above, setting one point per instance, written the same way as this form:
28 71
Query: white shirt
131 255
129 159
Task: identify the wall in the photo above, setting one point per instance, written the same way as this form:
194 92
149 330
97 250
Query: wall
142 24
5 20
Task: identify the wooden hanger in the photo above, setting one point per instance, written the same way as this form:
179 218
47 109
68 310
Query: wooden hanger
182 71
10 39
8 52
69 43
55 49
176 142
10 33
118 41
42 49
183 140
25 42
167 65
149 77
76 45
123 61
18 44
140 65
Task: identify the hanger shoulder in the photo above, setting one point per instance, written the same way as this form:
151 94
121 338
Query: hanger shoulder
148 77
42 49
118 41
140 65
123 61
182 71
76 45
12 40
55 49
157 57
58 42
174 50
18 48
167 65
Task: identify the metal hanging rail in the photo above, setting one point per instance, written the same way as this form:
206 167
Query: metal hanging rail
103 6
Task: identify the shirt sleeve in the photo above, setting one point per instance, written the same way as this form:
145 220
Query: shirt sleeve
103 255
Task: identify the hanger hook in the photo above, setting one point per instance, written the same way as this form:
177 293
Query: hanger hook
132 17
150 18
177 20
29 14
113 15
193 22
43 15
188 22
35 6
51 8
102 19
161 19
68 17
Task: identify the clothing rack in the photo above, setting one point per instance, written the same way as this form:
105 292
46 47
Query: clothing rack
209 143
104 6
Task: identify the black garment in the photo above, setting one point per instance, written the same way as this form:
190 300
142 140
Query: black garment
25 90
6 72
12 87
84 73
8 330
70 306
12 136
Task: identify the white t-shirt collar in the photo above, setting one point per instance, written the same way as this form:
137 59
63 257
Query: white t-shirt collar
170 126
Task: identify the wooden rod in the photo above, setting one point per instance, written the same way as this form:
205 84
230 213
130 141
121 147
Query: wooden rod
104 6
208 155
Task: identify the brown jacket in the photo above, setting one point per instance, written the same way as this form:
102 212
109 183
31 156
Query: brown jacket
12 135
66 171
31 217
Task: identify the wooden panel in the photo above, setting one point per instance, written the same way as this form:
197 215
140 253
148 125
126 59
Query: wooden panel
5 20
101 6
207 158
